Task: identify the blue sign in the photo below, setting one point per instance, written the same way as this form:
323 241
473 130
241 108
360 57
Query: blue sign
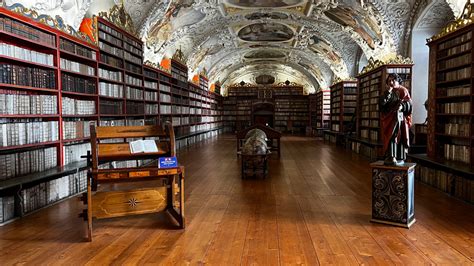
167 162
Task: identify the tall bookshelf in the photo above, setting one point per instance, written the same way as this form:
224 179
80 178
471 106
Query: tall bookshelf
343 106
319 111
48 98
291 107
121 79
449 164
368 140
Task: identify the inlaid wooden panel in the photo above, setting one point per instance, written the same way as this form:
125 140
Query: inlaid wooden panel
129 132
121 203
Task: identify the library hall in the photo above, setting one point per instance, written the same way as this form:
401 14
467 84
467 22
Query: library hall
236 132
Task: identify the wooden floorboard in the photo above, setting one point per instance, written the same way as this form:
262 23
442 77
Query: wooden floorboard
313 209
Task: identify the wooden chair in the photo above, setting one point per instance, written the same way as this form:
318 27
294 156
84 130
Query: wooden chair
167 193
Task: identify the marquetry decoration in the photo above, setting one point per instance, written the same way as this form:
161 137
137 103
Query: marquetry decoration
56 23
119 17
122 203
374 64
466 18
393 194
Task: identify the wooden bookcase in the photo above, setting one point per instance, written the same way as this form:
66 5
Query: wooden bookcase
319 111
371 85
343 106
56 85
449 164
291 107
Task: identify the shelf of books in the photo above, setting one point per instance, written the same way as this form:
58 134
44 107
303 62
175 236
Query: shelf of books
291 112
319 110
238 107
368 140
47 98
125 97
192 109
449 164
291 109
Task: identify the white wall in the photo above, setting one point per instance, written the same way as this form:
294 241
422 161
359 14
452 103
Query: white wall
420 57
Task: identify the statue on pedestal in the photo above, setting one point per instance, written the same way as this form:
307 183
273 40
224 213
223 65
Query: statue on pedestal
396 110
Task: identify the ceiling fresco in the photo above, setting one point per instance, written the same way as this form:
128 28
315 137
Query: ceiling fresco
311 42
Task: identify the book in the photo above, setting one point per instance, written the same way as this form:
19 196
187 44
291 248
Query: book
143 146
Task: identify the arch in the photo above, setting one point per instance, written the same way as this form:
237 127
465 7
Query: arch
429 22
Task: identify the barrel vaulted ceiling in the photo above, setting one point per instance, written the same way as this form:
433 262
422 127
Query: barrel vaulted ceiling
310 42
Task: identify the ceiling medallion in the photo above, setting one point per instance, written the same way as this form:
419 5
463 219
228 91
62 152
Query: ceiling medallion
119 17
266 32
466 18
264 3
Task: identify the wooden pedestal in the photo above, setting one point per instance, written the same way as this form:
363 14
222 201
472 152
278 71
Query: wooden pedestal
393 194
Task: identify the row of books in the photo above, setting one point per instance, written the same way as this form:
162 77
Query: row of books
132 58
109 74
24 30
370 107
77 129
22 132
369 134
7 208
111 107
151 84
133 68
111 49
462 130
372 114
78 107
136 94
110 30
77 67
369 123
133 81
454 91
72 153
110 60
454 62
151 109
111 90
132 48
455 50
454 75
27 76
77 84
22 163
26 54
74 48
109 38
457 186
151 96
52 191
454 108
135 108
460 153
27 104
455 41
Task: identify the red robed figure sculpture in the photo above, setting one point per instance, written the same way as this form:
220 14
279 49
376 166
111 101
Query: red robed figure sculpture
396 111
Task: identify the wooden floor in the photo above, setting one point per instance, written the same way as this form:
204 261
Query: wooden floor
314 208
